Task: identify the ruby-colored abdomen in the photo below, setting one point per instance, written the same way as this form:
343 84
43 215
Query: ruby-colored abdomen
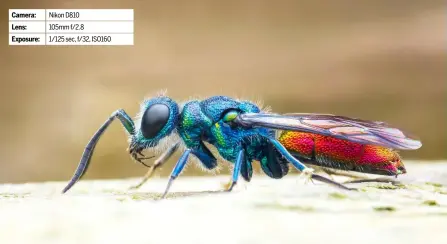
316 146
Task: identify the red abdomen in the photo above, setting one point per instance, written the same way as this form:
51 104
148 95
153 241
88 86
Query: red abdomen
341 154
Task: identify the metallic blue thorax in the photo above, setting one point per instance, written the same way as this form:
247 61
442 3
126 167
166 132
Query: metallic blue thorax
202 121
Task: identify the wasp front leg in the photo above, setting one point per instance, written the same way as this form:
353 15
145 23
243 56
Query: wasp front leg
158 163
177 170
137 155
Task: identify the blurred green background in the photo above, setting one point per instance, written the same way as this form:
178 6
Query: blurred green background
376 59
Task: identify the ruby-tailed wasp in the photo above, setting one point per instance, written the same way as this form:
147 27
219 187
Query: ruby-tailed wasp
242 133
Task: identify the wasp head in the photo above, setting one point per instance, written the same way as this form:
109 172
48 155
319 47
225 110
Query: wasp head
156 120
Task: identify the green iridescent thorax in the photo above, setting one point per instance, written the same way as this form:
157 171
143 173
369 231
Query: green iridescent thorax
207 120
193 122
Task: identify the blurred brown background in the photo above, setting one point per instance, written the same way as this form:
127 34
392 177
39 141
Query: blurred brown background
376 59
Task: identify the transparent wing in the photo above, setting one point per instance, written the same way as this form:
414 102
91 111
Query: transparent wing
355 130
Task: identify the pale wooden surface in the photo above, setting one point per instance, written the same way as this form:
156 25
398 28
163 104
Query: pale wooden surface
264 211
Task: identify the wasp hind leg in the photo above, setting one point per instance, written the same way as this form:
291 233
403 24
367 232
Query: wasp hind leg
158 163
306 171
355 178
378 180
331 173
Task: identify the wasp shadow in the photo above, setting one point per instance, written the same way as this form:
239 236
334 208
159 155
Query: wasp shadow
156 196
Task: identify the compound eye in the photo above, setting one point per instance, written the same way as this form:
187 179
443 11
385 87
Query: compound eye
154 119
230 116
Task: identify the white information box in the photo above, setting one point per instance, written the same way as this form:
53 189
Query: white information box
91 27
89 39
26 14
90 14
71 27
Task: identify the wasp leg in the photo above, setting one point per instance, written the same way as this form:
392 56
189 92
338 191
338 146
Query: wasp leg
137 155
158 163
358 178
331 173
237 169
140 159
328 173
295 162
306 171
177 170
380 180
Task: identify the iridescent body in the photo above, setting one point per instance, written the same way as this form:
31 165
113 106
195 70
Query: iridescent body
242 133
207 121
341 154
